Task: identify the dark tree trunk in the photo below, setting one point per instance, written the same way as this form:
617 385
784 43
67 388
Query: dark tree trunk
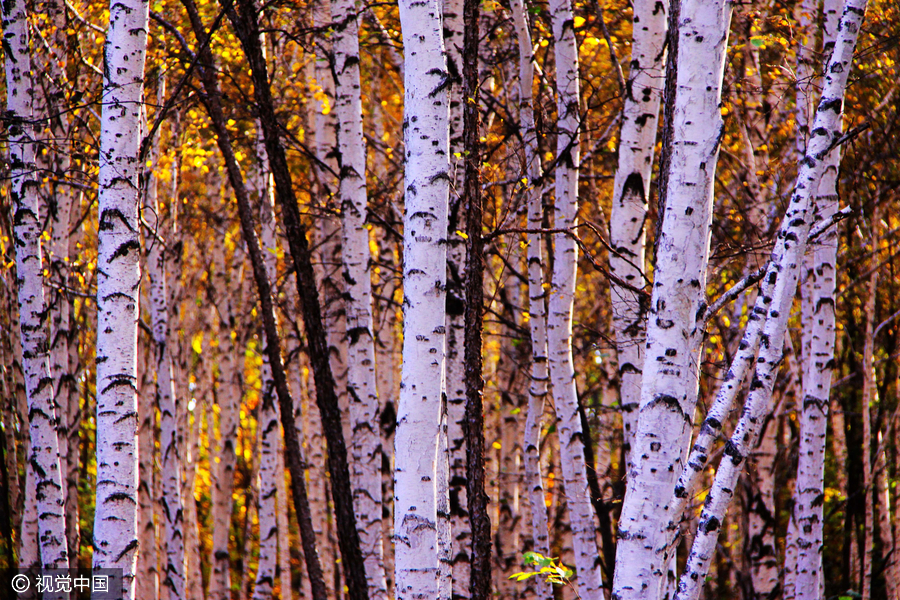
213 102
480 562
246 27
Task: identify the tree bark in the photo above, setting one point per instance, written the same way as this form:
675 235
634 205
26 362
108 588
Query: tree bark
631 191
537 298
784 270
43 454
356 256
562 296
422 401
676 321
472 200
118 282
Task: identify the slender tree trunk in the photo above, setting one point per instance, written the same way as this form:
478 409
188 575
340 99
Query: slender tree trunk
43 455
229 393
869 402
270 436
171 459
562 296
784 268
631 191
691 139
284 531
537 311
363 397
461 532
421 404
472 200
115 519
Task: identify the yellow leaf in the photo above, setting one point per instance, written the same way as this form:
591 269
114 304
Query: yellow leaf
579 21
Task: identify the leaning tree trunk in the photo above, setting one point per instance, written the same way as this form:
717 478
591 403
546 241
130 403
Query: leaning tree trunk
698 28
118 282
420 406
784 271
365 445
562 297
43 456
631 190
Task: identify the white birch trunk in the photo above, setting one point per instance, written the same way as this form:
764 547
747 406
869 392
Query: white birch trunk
562 297
678 304
170 467
148 558
537 311
365 441
229 400
460 528
819 338
118 279
43 454
784 268
419 412
631 189
269 415
284 530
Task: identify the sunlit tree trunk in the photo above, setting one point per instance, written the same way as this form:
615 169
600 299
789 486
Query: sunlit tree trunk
365 444
420 407
44 476
537 298
784 269
229 392
691 136
115 520
562 296
631 190
270 436
818 347
284 530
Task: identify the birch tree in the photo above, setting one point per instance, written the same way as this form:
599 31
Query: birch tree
818 311
784 271
115 520
631 190
420 406
43 454
171 457
691 136
562 296
537 297
365 445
